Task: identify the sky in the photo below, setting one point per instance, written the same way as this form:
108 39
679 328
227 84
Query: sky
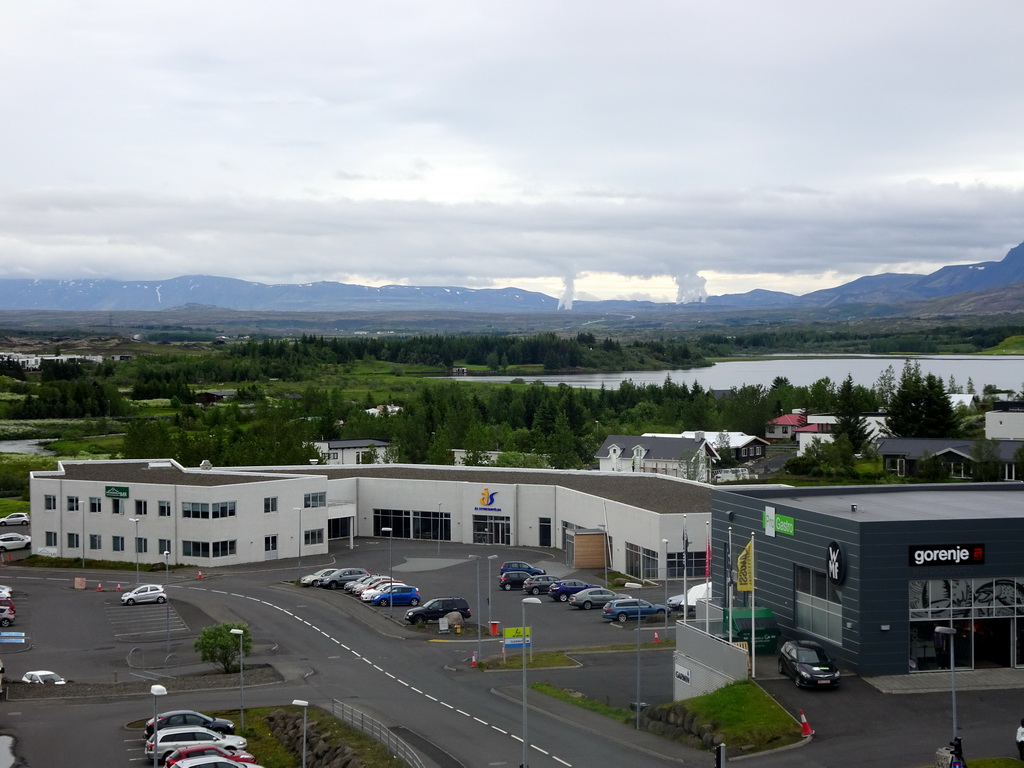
588 150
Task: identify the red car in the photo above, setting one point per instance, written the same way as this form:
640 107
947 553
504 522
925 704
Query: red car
201 750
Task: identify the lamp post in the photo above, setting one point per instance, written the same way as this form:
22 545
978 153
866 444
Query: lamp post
489 559
157 691
950 633
241 675
305 709
298 541
604 550
664 548
167 589
479 652
526 738
391 569
636 704
136 521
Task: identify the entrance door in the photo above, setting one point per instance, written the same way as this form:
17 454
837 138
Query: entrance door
491 530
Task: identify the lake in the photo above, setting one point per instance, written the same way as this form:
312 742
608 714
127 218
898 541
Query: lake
1004 372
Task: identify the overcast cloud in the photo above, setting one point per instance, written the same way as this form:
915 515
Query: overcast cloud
584 149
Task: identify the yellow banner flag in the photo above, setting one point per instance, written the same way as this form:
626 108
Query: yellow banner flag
745 569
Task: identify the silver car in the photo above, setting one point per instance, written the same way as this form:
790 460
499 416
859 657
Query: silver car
170 739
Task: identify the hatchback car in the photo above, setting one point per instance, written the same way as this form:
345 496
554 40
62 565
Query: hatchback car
169 739
14 541
349 586
179 717
144 593
15 518
513 580
43 676
370 593
397 594
586 599
519 565
631 608
205 750
438 608
566 588
538 585
210 761
313 579
808 664
6 615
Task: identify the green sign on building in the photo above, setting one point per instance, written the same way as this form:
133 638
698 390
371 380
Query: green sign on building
774 523
117 492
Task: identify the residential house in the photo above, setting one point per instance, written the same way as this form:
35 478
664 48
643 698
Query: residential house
1005 421
360 451
673 455
784 427
903 455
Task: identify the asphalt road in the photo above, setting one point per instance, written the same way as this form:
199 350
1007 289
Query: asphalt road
337 649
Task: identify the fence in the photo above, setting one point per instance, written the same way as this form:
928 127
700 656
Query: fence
377 731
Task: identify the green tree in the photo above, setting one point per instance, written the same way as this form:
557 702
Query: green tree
218 646
986 464
849 414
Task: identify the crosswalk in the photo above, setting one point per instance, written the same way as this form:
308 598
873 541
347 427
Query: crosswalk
144 621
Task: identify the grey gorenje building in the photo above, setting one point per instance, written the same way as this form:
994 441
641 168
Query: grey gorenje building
871 571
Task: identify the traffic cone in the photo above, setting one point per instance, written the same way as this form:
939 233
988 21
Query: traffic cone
473 663
118 587
656 637
807 731
200 574
99 586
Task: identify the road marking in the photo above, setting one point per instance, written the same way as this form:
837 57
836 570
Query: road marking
500 730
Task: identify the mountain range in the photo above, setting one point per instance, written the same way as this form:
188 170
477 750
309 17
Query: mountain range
108 295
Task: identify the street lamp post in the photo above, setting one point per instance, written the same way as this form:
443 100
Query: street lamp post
489 559
167 589
391 569
950 634
604 551
526 738
241 675
298 541
136 521
305 709
664 547
479 652
157 691
636 704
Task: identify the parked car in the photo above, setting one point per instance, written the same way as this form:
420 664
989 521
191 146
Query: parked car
43 676
539 585
6 602
348 586
376 581
179 717
519 565
371 592
14 541
6 615
210 761
339 577
15 518
205 750
630 608
566 588
808 664
513 580
397 594
6 591
313 579
438 608
586 599
144 593
169 739
696 592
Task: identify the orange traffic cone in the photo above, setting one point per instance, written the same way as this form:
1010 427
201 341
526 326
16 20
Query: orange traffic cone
118 587
99 586
807 731
656 637
473 664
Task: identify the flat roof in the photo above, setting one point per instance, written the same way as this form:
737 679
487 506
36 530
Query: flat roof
903 503
156 472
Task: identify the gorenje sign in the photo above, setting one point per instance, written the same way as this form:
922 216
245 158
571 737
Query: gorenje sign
947 554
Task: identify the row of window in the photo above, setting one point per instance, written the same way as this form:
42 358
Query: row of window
217 509
117 543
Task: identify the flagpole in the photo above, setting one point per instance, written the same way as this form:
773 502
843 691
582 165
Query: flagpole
707 579
686 557
728 582
753 608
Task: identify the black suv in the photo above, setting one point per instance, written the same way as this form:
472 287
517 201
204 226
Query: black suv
438 608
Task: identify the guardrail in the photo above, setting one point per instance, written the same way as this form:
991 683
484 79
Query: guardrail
377 731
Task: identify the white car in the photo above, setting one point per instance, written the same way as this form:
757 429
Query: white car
313 579
212 761
15 518
145 593
43 676
14 541
6 591
170 739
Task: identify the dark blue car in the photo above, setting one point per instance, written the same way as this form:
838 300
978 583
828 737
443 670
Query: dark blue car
519 565
628 608
565 588
397 594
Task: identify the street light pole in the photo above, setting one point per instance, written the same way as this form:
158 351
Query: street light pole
241 675
167 589
636 704
305 709
950 634
664 547
298 541
136 521
479 652
157 691
604 551
391 570
489 559
526 738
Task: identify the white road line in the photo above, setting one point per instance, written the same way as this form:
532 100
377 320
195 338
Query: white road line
463 713
500 730
222 592
556 757
482 722
432 698
542 751
445 704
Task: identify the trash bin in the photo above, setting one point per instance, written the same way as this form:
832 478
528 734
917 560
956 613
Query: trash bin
495 628
761 620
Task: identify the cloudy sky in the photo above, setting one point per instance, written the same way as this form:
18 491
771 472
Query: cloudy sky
597 149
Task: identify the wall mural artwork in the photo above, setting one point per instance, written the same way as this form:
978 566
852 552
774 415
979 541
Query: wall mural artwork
965 598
